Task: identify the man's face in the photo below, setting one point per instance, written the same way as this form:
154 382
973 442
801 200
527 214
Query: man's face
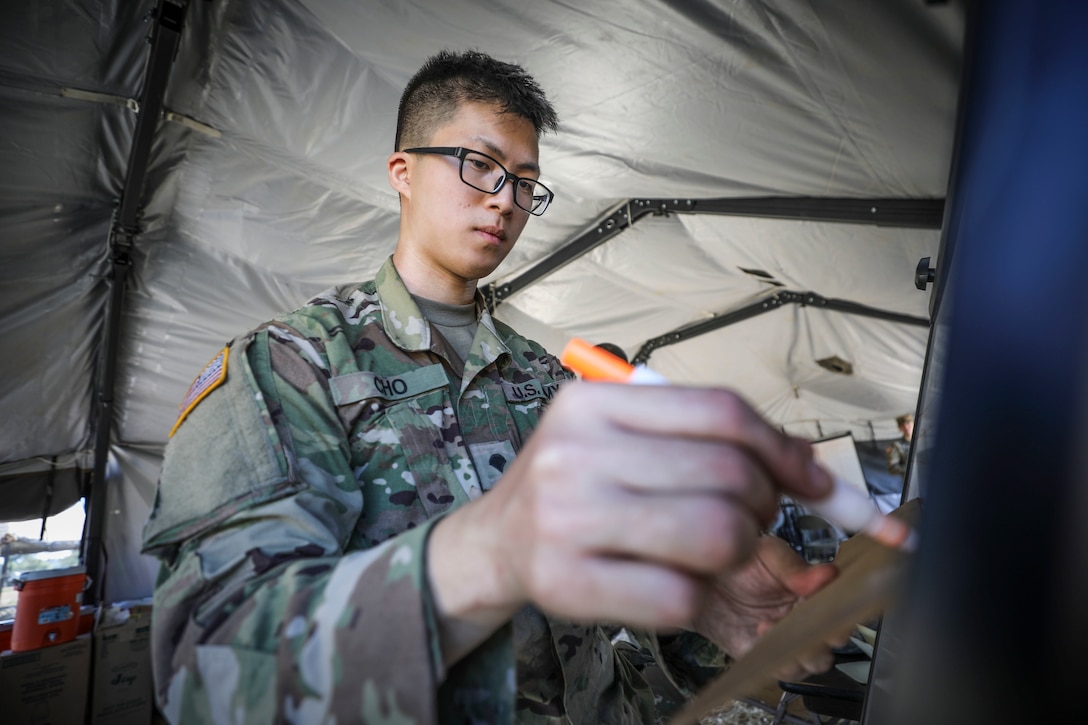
453 228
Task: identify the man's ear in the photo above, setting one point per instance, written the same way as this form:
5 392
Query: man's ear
399 172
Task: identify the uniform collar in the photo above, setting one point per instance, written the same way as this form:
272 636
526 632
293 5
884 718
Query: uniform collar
408 328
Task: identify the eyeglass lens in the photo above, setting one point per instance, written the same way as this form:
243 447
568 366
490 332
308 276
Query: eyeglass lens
484 173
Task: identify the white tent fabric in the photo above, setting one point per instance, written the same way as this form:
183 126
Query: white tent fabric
266 184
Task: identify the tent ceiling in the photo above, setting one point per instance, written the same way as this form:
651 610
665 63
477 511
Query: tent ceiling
266 183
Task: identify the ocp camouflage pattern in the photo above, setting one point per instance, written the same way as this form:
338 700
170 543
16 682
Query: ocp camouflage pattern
292 515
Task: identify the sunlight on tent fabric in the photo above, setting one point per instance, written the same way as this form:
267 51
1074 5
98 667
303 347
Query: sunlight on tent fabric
65 526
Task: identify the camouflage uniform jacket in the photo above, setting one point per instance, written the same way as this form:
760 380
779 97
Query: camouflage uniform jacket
292 514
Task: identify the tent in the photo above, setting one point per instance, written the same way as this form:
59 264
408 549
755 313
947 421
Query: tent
744 195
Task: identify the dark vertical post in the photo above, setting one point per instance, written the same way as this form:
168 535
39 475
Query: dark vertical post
165 34
996 606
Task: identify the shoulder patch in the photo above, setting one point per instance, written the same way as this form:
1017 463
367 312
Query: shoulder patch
210 378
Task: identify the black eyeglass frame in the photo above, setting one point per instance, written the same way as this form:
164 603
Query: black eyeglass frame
460 152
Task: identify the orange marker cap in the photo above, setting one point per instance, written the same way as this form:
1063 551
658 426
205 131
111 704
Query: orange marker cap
593 363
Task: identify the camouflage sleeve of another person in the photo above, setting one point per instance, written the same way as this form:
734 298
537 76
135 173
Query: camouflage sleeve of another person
260 616
895 456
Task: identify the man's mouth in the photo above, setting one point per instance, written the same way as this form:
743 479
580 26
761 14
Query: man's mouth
497 232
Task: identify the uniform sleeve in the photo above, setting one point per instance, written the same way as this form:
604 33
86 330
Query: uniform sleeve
895 457
261 614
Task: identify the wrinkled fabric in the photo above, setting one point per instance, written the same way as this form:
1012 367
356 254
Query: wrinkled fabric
292 516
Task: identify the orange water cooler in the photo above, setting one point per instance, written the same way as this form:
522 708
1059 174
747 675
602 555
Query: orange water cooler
48 609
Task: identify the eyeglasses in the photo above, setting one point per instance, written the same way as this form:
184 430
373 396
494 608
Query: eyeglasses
486 174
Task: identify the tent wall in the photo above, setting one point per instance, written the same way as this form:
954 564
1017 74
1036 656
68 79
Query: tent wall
266 184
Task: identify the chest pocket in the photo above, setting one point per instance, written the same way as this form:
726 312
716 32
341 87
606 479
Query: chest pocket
407 452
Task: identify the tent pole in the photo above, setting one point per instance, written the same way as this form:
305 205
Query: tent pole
165 34
901 213
771 302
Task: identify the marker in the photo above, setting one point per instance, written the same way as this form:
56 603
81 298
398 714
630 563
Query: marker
846 507
593 363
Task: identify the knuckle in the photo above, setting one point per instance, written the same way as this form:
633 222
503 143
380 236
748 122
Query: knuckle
749 482
732 410
555 461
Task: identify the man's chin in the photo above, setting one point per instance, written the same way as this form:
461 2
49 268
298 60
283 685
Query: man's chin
483 265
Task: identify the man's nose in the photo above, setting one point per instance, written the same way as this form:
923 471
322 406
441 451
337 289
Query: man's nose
503 199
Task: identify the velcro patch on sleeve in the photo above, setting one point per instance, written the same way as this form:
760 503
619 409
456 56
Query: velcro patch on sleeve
210 378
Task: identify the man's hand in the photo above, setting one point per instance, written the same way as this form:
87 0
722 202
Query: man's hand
625 505
745 603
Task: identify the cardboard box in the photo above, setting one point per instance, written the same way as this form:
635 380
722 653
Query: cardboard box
46 686
122 690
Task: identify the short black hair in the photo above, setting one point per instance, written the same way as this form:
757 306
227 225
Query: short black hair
448 79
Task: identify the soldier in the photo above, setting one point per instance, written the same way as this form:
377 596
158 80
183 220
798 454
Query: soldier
355 524
897 453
